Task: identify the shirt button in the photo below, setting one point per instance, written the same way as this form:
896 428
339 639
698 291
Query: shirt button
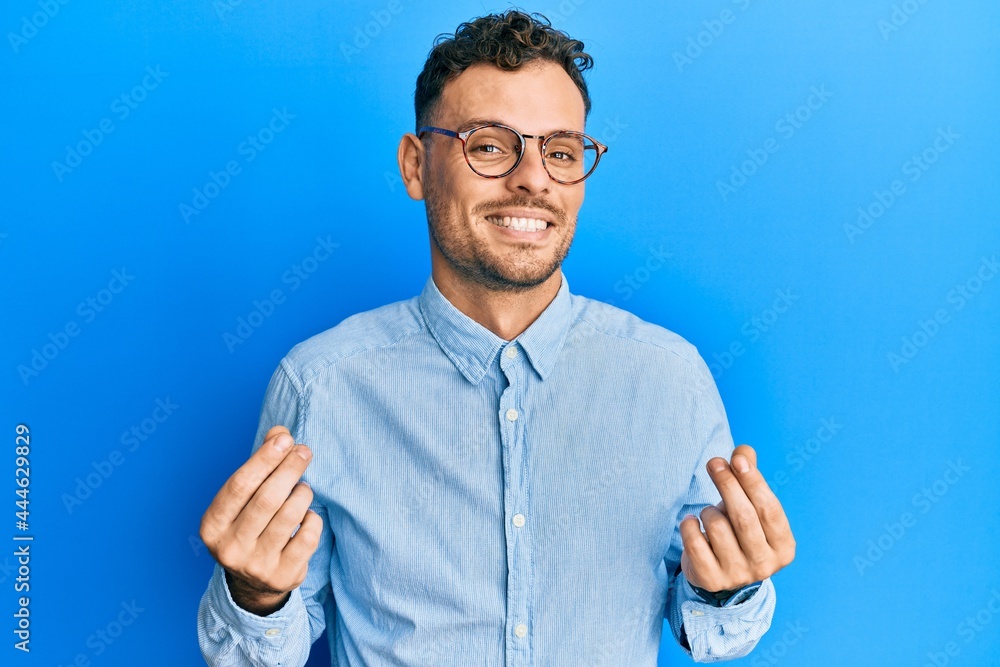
518 520
511 351
512 414
273 632
695 612
520 629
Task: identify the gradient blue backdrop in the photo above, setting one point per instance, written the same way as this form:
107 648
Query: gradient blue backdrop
895 553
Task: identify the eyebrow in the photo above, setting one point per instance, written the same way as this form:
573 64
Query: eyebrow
475 122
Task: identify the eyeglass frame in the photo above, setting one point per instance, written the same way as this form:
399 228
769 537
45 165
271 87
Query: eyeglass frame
462 136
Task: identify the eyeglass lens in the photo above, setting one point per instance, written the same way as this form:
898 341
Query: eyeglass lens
493 151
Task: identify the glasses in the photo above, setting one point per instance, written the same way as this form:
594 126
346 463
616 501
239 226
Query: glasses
494 151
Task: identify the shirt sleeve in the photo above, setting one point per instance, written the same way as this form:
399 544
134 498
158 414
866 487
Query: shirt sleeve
712 634
230 636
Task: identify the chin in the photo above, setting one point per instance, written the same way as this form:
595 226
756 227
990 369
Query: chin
515 280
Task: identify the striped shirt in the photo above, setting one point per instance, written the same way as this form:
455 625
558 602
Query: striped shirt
492 502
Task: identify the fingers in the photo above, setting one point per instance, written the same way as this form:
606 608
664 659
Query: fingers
770 514
705 566
741 513
275 430
747 452
747 537
724 543
279 531
248 527
243 484
271 495
295 556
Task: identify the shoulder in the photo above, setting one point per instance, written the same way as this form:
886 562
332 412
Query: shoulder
380 327
609 324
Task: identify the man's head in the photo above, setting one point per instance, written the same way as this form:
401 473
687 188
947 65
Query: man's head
516 70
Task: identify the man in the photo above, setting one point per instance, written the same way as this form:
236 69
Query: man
499 472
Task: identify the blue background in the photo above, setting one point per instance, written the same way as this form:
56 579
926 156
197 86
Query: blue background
894 552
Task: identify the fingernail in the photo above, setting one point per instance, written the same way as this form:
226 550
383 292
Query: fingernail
740 463
283 443
305 453
717 465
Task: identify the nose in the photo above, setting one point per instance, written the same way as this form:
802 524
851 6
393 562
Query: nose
530 176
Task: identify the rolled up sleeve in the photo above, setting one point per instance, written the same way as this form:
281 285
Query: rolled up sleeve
231 636
722 633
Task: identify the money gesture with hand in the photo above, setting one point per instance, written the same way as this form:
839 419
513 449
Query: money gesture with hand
747 537
248 527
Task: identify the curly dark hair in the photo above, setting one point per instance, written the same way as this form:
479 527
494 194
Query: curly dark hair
508 41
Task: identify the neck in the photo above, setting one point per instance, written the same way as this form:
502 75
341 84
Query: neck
507 314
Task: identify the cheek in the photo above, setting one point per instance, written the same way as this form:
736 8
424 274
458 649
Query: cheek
571 206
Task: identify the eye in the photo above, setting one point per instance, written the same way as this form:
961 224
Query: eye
564 148
562 156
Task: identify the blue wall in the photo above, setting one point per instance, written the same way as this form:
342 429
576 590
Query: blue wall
823 176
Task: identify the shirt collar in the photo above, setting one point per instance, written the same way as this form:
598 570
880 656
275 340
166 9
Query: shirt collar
472 347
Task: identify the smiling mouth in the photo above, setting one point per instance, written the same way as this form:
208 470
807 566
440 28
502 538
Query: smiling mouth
519 224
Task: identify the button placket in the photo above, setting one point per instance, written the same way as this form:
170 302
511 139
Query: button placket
513 426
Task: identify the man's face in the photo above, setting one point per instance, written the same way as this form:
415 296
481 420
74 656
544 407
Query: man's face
538 99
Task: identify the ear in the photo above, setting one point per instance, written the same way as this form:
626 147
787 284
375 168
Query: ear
411 156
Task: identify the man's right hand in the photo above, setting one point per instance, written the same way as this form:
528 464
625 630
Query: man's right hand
248 527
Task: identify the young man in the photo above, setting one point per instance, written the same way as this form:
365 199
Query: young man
498 471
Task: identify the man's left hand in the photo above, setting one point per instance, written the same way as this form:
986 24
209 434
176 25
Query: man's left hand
747 537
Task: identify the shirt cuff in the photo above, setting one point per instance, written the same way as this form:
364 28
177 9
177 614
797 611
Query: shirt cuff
227 624
728 632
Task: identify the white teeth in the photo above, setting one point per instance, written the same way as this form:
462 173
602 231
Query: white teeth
520 224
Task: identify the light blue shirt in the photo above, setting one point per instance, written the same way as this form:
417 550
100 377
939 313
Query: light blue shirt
495 503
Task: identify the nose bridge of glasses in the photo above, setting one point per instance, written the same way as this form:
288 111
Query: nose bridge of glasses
571 162
531 155
539 141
